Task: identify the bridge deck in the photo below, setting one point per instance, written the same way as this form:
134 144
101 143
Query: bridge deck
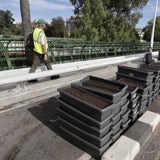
31 122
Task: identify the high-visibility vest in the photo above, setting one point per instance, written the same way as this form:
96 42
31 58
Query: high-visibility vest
37 43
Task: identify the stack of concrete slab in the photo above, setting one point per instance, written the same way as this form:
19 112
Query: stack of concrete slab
93 117
143 79
138 99
114 92
155 68
94 112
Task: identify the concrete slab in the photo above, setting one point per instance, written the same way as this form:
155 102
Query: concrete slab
123 149
151 118
139 132
129 145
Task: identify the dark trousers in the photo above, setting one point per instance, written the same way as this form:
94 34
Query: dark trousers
37 58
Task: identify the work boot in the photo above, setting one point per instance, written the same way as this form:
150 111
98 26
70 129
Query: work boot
55 77
32 81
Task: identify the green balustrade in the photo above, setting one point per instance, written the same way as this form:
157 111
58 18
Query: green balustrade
62 50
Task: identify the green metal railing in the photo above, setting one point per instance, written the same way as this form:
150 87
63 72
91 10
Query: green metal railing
12 52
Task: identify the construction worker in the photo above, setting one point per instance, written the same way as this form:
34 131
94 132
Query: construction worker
40 47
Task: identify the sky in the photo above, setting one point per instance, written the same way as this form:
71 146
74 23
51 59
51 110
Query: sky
48 9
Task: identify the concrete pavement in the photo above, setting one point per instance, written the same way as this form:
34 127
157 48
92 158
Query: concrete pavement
31 125
130 144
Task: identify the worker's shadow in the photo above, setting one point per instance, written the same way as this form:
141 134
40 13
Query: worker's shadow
47 113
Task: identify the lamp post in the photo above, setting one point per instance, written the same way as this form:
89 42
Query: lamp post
153 28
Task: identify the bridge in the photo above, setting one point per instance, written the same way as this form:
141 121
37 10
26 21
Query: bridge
29 109
67 56
12 52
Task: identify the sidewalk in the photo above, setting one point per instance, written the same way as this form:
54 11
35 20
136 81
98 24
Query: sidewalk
42 116
151 150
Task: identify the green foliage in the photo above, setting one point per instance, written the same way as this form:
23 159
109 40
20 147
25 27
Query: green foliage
18 30
56 28
109 20
92 20
148 31
7 27
76 33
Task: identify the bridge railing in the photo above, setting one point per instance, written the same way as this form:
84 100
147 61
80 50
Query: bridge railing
12 52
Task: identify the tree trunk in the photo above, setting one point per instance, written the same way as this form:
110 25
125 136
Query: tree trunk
26 20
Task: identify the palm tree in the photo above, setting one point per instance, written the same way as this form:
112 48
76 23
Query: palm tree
26 20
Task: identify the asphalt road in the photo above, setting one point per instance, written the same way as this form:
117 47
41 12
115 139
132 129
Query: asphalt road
31 133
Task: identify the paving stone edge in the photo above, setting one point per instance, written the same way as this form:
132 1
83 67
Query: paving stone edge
129 144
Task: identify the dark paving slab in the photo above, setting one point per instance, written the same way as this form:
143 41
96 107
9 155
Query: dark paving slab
151 150
139 132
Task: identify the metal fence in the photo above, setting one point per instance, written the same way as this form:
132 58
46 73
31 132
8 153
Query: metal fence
12 51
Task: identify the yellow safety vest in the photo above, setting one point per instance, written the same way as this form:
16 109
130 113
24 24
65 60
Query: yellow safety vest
37 44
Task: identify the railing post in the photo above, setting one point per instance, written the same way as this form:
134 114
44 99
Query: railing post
5 52
159 56
148 58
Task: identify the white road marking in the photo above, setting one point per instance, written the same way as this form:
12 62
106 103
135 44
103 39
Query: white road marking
13 108
85 156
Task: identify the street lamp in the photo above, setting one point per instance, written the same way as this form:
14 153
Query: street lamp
153 28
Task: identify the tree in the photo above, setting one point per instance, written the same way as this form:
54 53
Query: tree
18 30
148 31
56 28
87 30
109 20
76 33
124 16
6 23
93 16
26 20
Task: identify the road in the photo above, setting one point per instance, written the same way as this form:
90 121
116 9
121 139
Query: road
151 150
31 133
29 129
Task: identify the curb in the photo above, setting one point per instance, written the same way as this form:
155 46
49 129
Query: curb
129 144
